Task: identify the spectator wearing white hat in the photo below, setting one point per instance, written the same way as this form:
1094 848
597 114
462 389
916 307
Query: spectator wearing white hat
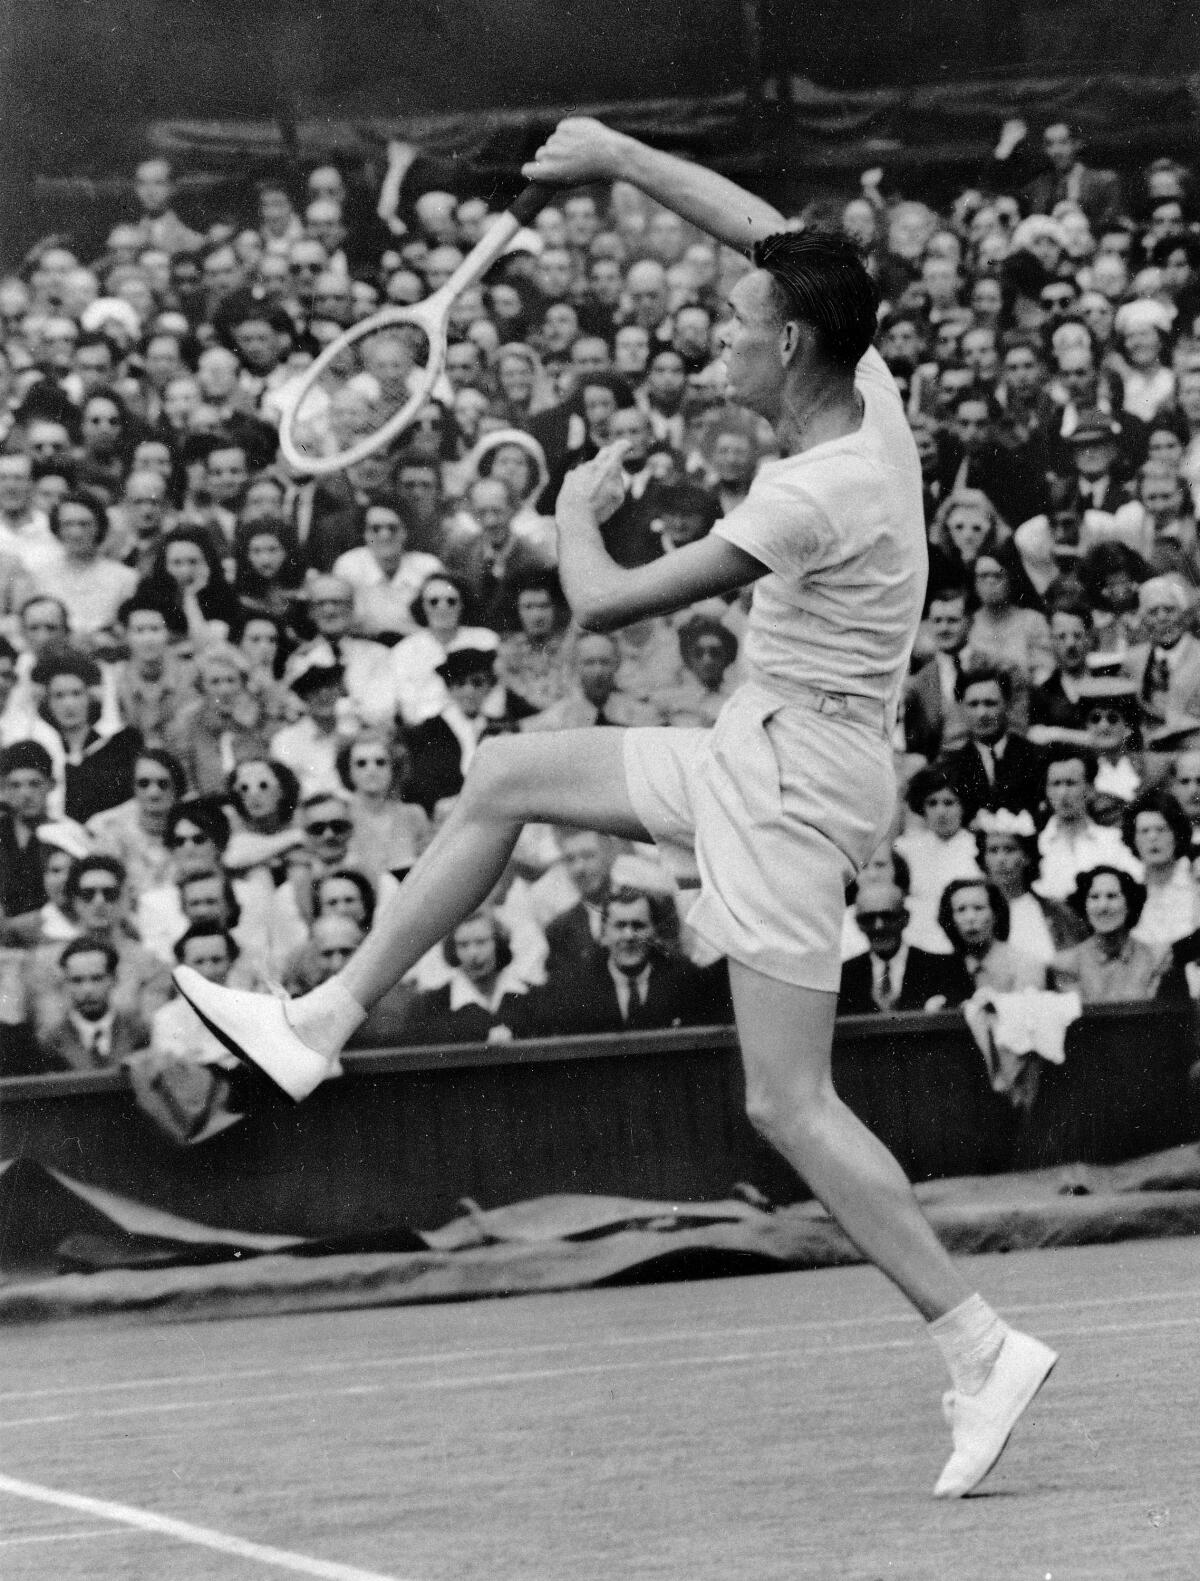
1142 328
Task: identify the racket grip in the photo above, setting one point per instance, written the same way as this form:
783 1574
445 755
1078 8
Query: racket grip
530 202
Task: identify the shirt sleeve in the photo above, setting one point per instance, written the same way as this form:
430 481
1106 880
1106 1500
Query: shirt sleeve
780 525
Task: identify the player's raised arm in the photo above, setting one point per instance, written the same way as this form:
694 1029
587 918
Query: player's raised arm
581 149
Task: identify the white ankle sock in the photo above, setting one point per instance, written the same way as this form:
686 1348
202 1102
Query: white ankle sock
326 1017
969 1336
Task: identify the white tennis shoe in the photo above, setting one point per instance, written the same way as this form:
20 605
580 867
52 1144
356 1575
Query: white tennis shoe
982 1423
255 1029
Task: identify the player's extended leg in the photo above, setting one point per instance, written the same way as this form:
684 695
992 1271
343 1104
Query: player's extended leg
786 1036
570 776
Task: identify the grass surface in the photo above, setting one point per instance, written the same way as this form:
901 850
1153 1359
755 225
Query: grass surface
738 1430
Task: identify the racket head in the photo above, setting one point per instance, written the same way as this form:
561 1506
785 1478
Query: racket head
310 455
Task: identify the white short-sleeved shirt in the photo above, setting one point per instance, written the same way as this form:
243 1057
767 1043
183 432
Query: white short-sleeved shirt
841 529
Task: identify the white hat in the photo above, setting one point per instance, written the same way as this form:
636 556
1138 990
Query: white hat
106 309
1144 313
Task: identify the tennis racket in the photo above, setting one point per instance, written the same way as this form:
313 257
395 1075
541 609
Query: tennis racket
431 319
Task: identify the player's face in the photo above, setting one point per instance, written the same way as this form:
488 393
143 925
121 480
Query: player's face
750 346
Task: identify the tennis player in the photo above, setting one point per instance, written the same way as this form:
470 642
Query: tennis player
781 803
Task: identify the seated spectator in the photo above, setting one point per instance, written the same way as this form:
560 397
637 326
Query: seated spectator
177 1032
440 610
1110 575
1157 831
222 726
189 581
1057 708
1071 842
442 747
385 574
974 916
366 665
709 651
154 684
649 660
1113 732
1166 669
571 897
516 458
135 831
1008 853
1110 966
97 902
26 781
389 832
1185 787
996 767
491 558
309 746
266 645
485 999
939 850
92 587
264 795
635 984
934 721
594 698
894 975
534 660
1002 633
94 765
333 941
91 1031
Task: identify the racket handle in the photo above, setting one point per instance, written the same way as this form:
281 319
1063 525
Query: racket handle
530 202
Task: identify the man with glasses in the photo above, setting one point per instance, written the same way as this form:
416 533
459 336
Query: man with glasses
365 666
385 574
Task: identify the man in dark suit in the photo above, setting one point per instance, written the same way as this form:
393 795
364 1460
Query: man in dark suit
893 975
933 718
492 560
969 457
92 1035
632 986
574 935
1097 192
995 768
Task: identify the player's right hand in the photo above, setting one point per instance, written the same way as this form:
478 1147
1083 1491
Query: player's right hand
579 149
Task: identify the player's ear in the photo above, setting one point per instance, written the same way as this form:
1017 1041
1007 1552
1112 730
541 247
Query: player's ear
794 339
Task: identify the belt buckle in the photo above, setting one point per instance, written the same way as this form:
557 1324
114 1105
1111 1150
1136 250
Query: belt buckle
832 703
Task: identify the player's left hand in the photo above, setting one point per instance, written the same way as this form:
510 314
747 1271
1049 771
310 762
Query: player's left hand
596 486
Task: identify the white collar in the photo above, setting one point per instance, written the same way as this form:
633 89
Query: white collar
463 991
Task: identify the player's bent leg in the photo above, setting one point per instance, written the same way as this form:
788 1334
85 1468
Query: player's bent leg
575 777
786 1035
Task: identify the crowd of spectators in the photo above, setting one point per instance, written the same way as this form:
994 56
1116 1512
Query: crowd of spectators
235 704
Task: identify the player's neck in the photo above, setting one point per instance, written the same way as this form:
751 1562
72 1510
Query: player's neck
823 407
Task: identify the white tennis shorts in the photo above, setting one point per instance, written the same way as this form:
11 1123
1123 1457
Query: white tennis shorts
771 813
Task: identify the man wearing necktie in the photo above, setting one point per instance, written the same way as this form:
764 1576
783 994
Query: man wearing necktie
92 1035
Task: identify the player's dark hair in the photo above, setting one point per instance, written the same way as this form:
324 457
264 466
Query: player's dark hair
823 281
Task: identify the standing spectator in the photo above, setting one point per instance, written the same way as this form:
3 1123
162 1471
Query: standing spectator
1069 179
158 224
92 1034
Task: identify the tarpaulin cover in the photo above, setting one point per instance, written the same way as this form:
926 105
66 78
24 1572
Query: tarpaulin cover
148 1261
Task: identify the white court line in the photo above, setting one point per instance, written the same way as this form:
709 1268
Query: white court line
88 1534
792 1357
185 1532
590 1341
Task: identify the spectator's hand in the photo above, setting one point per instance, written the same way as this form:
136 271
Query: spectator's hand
597 486
870 180
1013 131
578 149
500 1034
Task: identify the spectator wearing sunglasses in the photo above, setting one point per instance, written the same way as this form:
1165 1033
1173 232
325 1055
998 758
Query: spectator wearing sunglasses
96 900
135 832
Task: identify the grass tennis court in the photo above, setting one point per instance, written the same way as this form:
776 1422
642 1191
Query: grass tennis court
735 1430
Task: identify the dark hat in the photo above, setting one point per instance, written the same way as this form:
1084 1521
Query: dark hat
26 755
66 661
1094 428
462 663
316 678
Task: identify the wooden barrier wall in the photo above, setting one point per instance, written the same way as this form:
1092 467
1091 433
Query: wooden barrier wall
407 1133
